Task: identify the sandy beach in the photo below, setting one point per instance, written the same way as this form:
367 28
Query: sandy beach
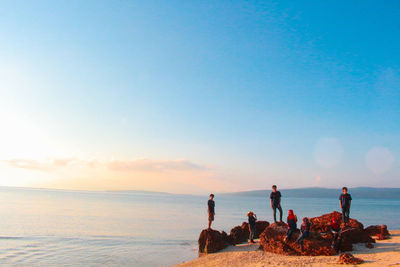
385 253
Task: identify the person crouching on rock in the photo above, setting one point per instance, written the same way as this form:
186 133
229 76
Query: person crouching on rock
252 225
305 231
211 210
335 228
292 224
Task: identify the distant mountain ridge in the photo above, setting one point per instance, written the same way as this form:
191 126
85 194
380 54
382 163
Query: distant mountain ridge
320 192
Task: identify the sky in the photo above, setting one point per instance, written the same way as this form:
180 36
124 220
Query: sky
199 96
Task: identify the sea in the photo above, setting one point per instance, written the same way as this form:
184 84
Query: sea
40 227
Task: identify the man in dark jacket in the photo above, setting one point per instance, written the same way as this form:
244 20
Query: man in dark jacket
211 210
275 197
345 203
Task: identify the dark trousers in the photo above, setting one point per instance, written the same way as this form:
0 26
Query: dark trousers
252 232
303 235
345 214
280 212
289 233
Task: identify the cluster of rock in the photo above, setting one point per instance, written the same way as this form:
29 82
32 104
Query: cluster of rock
318 243
211 241
320 240
347 258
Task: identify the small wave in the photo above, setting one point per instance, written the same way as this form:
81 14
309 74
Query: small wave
11 237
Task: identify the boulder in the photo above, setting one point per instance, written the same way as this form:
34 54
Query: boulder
322 223
240 234
350 236
347 258
211 241
380 231
272 240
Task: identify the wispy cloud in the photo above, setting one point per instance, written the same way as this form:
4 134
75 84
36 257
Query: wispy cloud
138 165
148 165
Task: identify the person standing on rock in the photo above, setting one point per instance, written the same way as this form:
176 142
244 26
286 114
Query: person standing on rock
252 225
211 210
276 202
345 202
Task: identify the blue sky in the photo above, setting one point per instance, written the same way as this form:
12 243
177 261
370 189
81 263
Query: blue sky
251 93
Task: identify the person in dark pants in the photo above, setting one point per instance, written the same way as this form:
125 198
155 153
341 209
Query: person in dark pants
276 202
211 210
345 202
292 225
335 228
252 225
305 231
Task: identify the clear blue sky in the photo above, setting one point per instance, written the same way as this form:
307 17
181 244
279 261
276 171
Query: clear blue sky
291 92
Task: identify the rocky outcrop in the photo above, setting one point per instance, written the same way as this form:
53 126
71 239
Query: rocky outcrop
347 258
211 241
380 231
272 240
320 240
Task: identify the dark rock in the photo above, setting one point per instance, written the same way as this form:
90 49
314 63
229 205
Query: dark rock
272 240
240 234
347 258
211 241
322 223
352 236
380 231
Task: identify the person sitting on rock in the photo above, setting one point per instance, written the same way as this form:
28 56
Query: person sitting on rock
211 210
292 224
252 225
335 228
305 231
345 203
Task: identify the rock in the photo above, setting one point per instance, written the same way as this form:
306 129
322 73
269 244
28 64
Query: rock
369 245
322 223
272 240
380 231
347 258
211 241
260 227
240 234
352 236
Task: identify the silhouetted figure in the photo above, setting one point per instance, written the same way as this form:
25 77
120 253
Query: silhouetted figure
211 210
345 203
276 202
252 225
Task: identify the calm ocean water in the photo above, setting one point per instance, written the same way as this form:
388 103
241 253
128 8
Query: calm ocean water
68 228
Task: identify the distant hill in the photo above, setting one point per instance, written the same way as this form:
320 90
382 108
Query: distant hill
318 192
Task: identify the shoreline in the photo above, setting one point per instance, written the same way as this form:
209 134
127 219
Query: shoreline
385 253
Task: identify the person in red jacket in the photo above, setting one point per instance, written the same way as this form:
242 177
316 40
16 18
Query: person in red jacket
292 224
335 228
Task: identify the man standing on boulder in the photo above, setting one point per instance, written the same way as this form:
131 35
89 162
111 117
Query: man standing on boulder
276 202
345 202
211 210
